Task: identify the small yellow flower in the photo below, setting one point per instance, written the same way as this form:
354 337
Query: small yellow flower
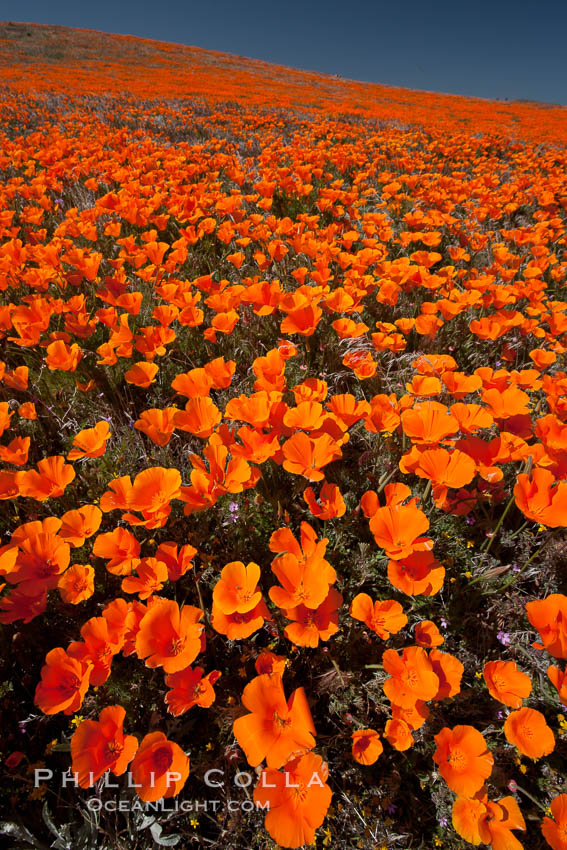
478 674
470 544
453 579
327 838
209 746
194 822
468 574
78 718
49 748
437 841
523 768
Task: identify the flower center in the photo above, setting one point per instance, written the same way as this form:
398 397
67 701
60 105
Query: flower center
458 760
176 646
162 759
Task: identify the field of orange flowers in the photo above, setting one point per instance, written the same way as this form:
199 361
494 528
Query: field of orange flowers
283 421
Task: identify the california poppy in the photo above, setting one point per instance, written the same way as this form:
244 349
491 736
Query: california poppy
366 746
549 617
274 729
411 676
76 584
160 768
506 683
64 683
463 758
296 798
527 730
169 637
188 688
554 828
100 745
91 442
385 617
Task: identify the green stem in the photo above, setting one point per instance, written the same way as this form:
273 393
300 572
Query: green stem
486 546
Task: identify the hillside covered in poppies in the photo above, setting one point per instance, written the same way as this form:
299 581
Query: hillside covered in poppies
283 456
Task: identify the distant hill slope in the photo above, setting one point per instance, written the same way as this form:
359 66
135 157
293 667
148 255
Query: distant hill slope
38 57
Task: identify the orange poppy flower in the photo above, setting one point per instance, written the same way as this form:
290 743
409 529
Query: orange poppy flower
235 591
50 481
62 357
330 503
385 617
418 574
238 626
471 417
91 442
160 768
398 734
506 683
274 730
16 452
297 800
193 384
220 372
142 374
558 679
5 416
312 625
445 469
549 618
188 688
42 559
449 671
555 831
540 500
121 547
268 662
303 572
9 488
77 525
506 403
527 730
479 821
152 574
169 637
200 417
100 745
157 424
64 683
306 456
76 584
411 676
118 496
429 422
177 562
154 488
463 758
398 529
366 746
428 635
100 643
27 410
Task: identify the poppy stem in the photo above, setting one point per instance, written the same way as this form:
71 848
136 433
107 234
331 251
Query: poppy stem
523 791
521 528
427 490
488 543
383 481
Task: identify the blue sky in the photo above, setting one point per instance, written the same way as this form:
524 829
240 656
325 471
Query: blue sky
497 49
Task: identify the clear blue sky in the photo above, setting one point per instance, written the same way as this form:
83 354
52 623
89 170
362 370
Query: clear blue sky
512 49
